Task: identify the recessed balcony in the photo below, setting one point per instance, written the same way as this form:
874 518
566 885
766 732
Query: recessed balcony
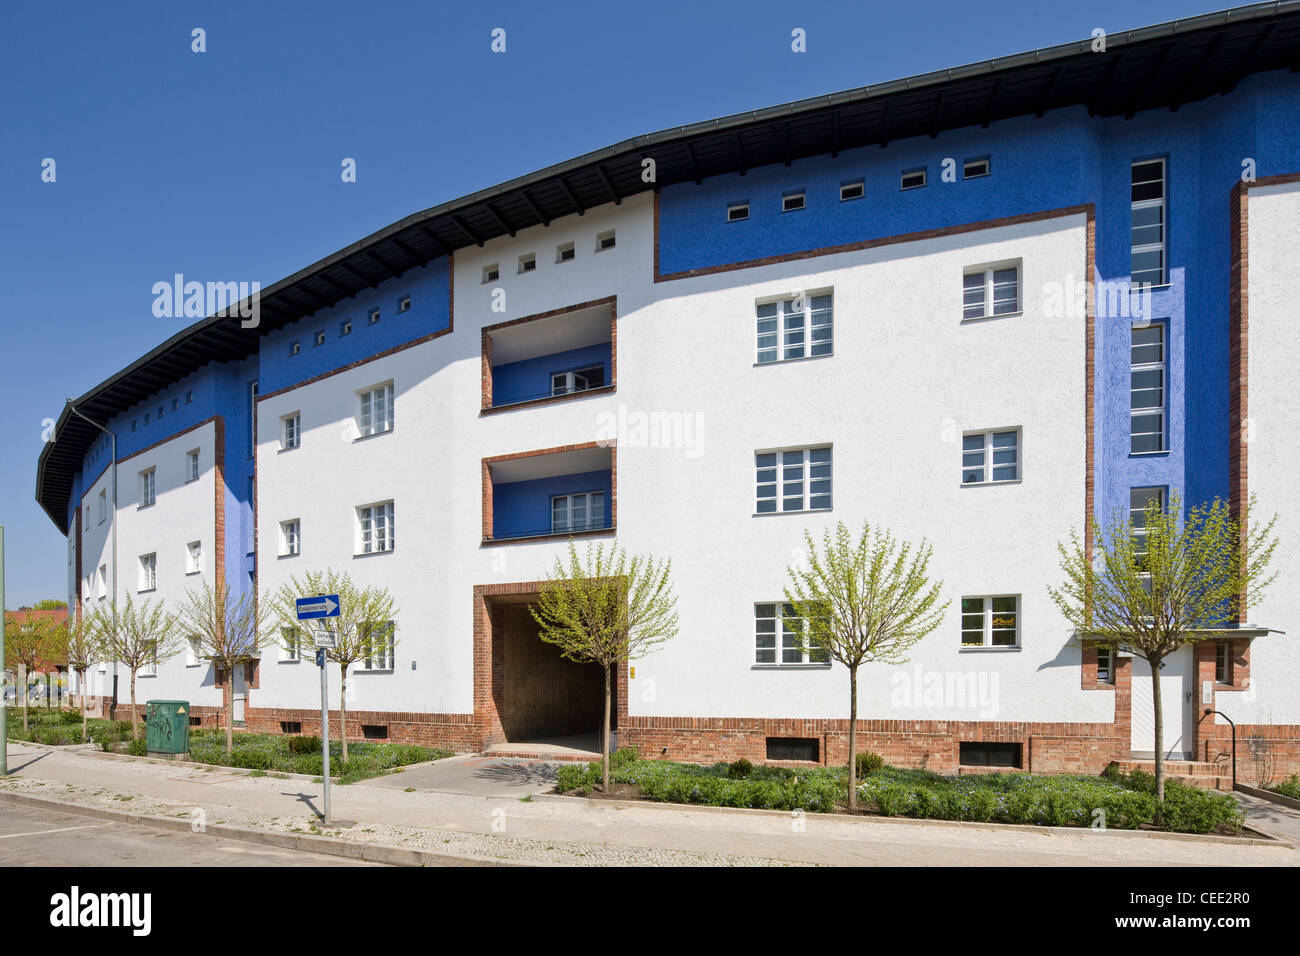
549 357
550 493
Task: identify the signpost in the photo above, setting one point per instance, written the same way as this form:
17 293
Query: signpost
311 609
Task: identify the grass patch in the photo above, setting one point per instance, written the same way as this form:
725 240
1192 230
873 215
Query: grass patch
60 728
1113 801
1290 787
285 754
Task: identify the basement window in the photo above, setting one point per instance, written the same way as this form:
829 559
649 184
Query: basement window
913 178
291 726
737 211
491 273
604 240
975 168
374 731
853 189
793 201
527 263
980 754
794 748
196 721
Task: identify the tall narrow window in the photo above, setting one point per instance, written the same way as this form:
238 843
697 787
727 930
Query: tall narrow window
376 410
148 488
1105 664
580 512
103 506
376 528
380 644
290 538
148 572
292 434
1223 662
252 419
192 465
290 644
194 557
802 475
795 328
1139 499
1147 389
1148 260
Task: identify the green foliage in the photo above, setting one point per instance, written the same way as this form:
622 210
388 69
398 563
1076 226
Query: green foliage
739 769
624 756
1289 787
138 747
274 752
869 763
304 745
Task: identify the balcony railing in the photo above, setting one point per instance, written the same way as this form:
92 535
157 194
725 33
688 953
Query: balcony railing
560 528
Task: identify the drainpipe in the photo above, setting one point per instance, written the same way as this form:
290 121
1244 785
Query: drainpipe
73 409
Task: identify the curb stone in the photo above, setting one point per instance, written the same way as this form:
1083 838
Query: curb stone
1268 839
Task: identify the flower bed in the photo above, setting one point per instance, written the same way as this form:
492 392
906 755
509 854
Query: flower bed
1289 787
285 754
1112 801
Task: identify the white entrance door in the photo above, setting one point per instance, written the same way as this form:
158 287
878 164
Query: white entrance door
1176 687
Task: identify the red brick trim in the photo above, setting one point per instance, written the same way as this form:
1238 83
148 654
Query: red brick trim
1085 208
1238 371
486 398
451 323
487 489
1088 677
219 499
489 664
1090 377
76 531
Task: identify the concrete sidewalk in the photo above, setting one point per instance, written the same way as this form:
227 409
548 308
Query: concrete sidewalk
544 829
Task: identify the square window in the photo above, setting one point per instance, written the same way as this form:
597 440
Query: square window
988 457
403 304
738 211
491 273
372 317
604 240
781 637
913 178
319 339
295 347
527 263
991 291
345 327
564 252
802 476
793 201
853 189
581 512
990 621
189 398
795 328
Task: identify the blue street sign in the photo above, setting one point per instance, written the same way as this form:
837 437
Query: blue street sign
323 605
320 657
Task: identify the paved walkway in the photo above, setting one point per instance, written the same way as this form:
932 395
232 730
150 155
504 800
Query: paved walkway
536 828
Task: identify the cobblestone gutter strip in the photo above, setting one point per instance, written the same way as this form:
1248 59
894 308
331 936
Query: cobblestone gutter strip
372 842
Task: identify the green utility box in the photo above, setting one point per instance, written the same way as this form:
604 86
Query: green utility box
167 726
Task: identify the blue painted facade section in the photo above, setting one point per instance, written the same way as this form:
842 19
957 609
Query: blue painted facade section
430 290
531 378
1063 159
522 508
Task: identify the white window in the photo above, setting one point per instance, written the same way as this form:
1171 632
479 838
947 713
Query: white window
194 557
381 644
793 201
580 512
290 537
795 328
103 506
290 644
491 273
990 621
148 571
192 465
781 637
528 262
295 347
974 168
1147 233
193 650
290 430
564 252
604 240
404 304
1105 664
1138 500
737 211
566 383
345 327
990 456
149 668
1147 389
376 414
913 178
103 582
853 189
800 479
372 317
147 488
990 291
376 527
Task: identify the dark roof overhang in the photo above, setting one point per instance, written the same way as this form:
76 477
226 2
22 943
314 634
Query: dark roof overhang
1166 65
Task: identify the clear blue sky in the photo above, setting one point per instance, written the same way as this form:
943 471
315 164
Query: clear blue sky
225 164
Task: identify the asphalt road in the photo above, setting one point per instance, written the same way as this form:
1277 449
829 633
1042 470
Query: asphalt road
32 836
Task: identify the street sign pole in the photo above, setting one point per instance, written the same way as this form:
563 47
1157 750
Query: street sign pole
324 729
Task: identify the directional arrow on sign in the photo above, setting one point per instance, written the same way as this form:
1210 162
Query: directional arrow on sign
323 605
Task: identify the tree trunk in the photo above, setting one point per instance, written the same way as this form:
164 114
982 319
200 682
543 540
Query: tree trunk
228 698
22 668
1160 731
853 738
343 711
135 720
81 679
604 744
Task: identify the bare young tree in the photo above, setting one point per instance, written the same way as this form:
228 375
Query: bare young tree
606 609
227 629
27 644
365 628
1171 581
140 636
863 601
